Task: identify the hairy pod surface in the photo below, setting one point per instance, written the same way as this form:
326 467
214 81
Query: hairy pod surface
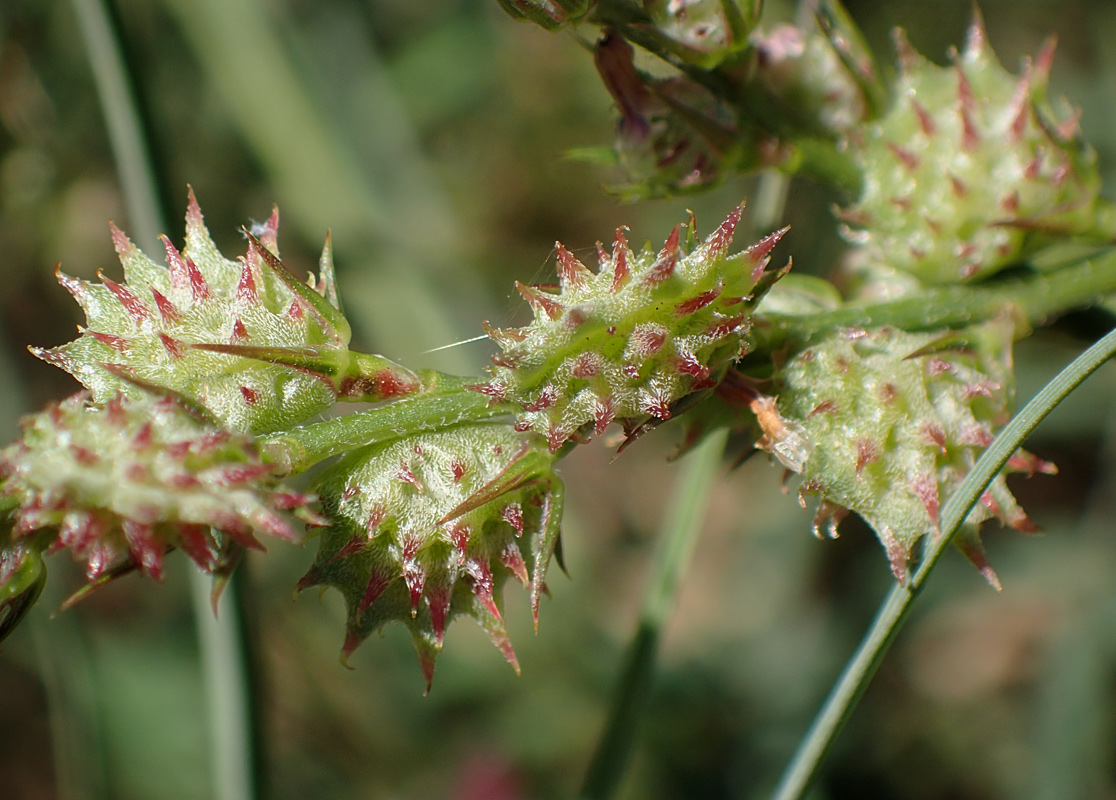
969 168
259 349
428 528
123 483
629 341
894 421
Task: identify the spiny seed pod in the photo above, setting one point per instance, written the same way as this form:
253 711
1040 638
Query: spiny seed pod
887 424
970 167
247 340
123 483
628 342
428 527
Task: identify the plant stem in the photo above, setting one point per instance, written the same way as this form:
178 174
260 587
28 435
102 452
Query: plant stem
838 707
677 537
226 660
1036 297
444 402
128 133
221 641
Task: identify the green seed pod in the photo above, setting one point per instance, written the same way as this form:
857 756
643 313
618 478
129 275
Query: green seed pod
628 342
969 168
428 527
887 424
124 483
247 340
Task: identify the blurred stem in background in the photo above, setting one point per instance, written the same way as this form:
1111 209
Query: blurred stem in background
393 228
681 525
234 743
677 539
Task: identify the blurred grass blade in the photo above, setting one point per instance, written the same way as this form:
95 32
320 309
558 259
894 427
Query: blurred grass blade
223 649
681 525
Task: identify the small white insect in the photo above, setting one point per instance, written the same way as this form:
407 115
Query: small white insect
785 439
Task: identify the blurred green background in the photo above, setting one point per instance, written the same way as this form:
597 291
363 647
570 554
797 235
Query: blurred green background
430 138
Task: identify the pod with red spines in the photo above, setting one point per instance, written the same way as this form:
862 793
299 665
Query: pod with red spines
428 528
971 168
122 484
629 341
892 422
246 339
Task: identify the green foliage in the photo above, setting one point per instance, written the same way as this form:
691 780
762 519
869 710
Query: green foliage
878 389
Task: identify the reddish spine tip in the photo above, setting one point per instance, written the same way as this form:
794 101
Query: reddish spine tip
376 516
571 272
167 310
648 338
239 332
666 261
925 489
171 345
118 343
687 307
246 291
545 399
199 288
179 274
866 453
688 364
511 558
135 308
539 301
377 582
905 156
925 121
513 515
407 475
439 598
757 254
621 272
604 412
720 240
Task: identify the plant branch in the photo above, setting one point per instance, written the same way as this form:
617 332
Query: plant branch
838 707
1036 297
445 401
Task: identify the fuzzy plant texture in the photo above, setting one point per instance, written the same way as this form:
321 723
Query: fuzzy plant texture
207 378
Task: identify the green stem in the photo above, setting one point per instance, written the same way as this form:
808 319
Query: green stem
838 707
1036 297
223 646
127 128
221 641
445 401
677 538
